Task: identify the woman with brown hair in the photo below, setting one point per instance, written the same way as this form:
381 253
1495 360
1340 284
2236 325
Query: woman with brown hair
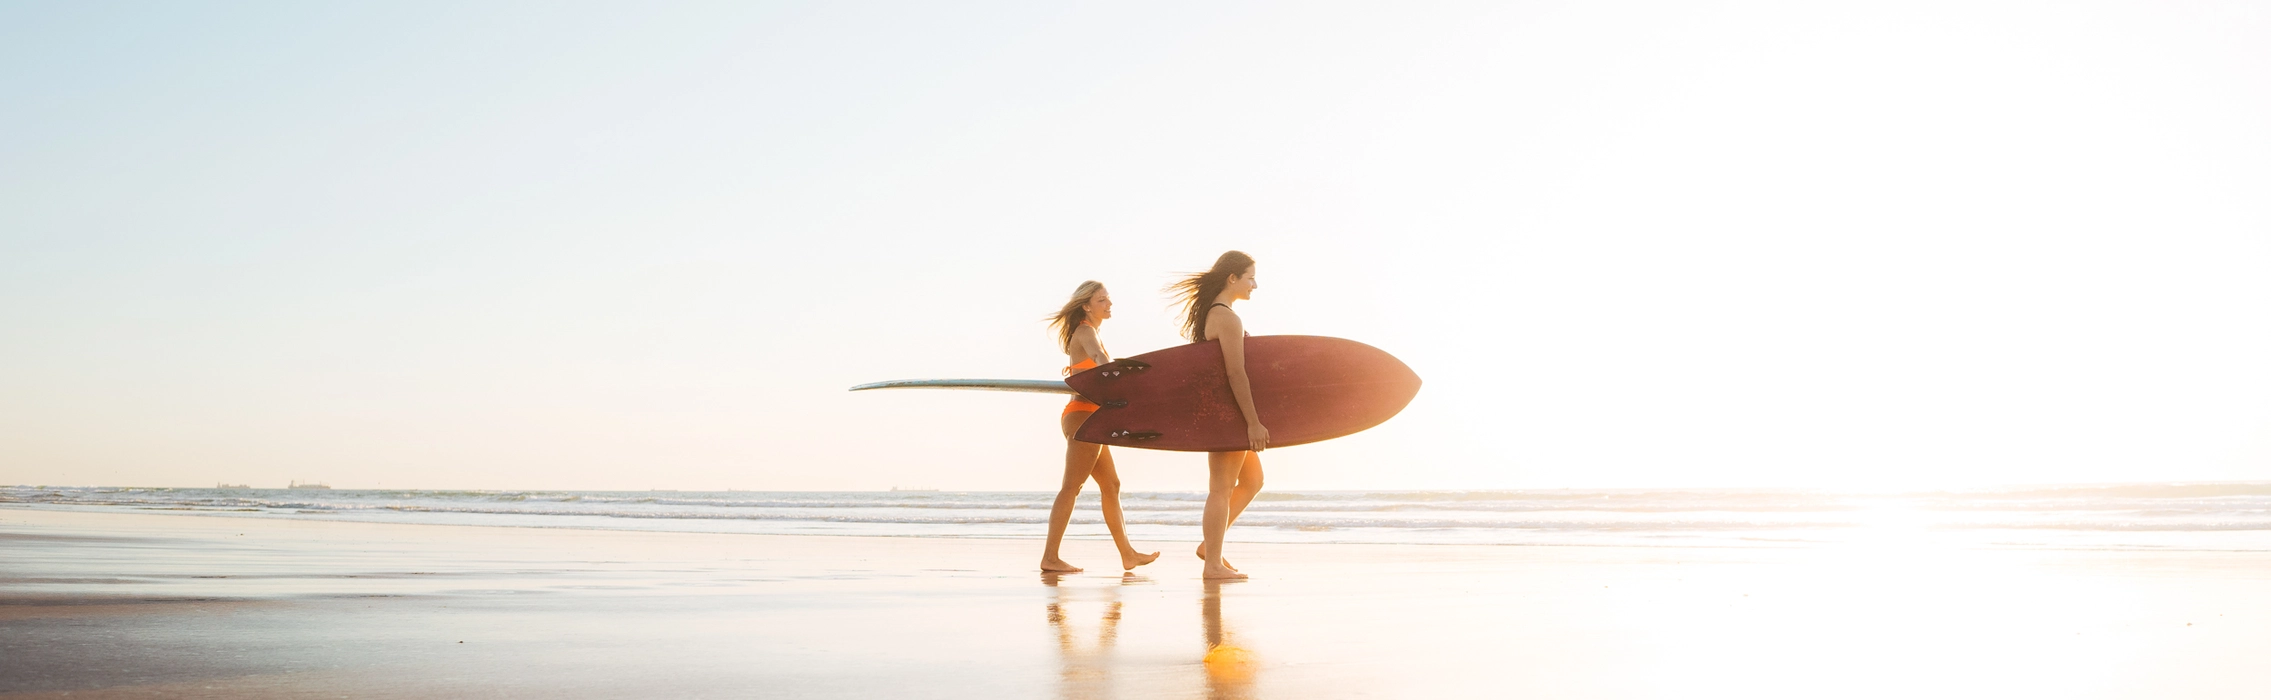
1233 478
1076 326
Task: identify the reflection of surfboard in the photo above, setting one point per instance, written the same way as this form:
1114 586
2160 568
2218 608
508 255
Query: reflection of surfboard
1307 388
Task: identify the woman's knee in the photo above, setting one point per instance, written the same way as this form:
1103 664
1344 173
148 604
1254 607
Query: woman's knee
1074 480
1222 481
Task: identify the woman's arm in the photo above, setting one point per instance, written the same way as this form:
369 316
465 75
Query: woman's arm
1231 332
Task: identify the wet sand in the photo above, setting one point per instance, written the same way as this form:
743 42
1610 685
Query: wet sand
134 604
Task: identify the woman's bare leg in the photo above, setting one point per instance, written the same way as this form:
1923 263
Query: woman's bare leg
1108 489
1249 485
1222 477
1080 459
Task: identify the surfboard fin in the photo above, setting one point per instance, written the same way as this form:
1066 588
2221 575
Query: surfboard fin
1115 368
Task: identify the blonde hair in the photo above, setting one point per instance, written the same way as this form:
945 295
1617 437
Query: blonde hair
1075 312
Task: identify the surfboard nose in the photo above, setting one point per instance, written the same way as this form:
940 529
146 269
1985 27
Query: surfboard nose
1037 386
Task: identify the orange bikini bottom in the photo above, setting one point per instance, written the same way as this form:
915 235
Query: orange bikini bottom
1079 405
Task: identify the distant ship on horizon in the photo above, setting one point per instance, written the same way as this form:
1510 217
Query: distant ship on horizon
231 486
298 485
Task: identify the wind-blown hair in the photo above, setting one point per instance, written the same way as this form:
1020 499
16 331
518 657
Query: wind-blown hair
1075 312
1197 292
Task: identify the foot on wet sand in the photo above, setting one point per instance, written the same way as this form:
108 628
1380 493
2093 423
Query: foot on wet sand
1225 562
1058 566
1130 560
1213 573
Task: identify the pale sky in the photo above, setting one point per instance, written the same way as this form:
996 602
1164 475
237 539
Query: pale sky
649 245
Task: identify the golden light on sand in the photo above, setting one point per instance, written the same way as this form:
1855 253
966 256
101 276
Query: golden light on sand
1230 663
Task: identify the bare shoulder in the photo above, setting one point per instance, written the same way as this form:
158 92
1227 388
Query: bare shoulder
1086 345
1223 322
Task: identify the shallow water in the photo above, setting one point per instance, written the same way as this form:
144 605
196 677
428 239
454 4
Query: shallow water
2208 516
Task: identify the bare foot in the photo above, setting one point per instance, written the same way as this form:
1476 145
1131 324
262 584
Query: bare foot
1225 562
1059 566
1213 573
1130 560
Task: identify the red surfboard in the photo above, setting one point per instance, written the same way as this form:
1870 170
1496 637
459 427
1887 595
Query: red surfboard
1306 388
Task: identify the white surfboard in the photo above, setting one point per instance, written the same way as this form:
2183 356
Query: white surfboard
1035 386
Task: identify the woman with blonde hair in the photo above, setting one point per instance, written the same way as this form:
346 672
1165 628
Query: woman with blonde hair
1233 478
1076 326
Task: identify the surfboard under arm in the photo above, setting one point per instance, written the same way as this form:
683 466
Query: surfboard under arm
1036 386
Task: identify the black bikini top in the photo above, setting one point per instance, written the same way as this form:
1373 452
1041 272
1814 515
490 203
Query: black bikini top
1227 306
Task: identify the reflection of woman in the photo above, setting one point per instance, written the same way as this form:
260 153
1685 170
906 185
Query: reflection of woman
1232 477
1229 668
1076 325
1083 673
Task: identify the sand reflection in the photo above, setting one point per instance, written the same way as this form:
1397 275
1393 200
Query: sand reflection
1085 620
1085 668
1229 667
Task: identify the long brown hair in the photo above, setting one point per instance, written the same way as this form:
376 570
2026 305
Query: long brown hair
1074 313
1197 292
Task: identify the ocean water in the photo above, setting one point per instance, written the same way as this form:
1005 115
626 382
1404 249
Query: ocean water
2202 516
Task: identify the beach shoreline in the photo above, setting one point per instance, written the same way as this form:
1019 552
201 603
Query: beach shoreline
159 604
2208 516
